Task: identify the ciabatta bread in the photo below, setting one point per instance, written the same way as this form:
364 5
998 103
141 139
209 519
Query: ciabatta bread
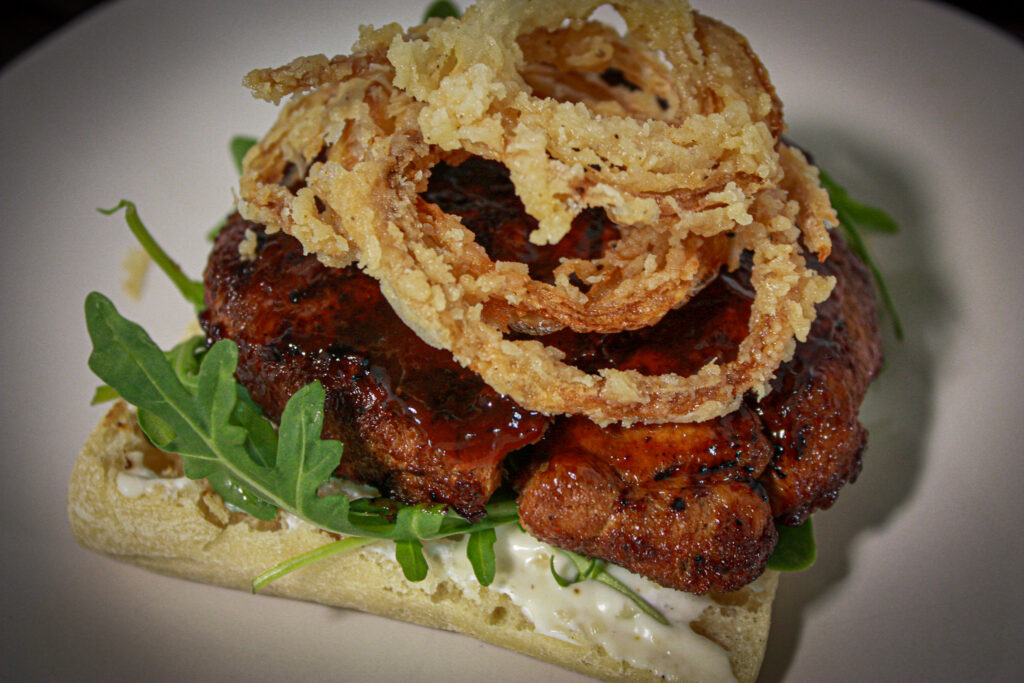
180 527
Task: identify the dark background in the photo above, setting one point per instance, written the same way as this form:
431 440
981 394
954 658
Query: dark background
33 21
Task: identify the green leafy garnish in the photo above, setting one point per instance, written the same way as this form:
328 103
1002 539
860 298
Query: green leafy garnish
410 555
796 549
589 569
104 394
480 550
184 358
315 555
855 217
198 410
239 145
441 9
191 289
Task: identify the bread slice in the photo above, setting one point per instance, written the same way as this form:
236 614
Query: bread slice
183 529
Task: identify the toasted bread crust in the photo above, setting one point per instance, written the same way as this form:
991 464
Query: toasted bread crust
185 531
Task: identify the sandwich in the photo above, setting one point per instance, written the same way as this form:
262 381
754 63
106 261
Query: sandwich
523 327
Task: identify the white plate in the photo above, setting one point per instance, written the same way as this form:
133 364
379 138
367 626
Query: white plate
913 106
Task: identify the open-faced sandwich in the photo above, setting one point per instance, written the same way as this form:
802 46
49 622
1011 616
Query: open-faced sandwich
524 327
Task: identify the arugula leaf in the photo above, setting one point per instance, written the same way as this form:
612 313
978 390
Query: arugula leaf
199 422
860 214
261 443
194 422
594 570
300 561
192 290
104 394
239 145
853 218
480 551
796 549
409 554
441 10
185 358
199 411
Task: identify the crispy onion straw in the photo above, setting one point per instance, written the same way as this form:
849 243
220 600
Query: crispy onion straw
673 130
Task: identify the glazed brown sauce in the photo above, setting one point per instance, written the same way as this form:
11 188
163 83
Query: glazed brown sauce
710 326
337 325
482 194
455 411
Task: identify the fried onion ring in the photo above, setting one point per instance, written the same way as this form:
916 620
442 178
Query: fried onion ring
682 152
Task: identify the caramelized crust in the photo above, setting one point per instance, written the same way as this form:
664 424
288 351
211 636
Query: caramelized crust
414 423
677 503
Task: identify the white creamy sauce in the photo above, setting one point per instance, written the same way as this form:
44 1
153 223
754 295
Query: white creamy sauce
133 485
139 479
589 611
584 612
